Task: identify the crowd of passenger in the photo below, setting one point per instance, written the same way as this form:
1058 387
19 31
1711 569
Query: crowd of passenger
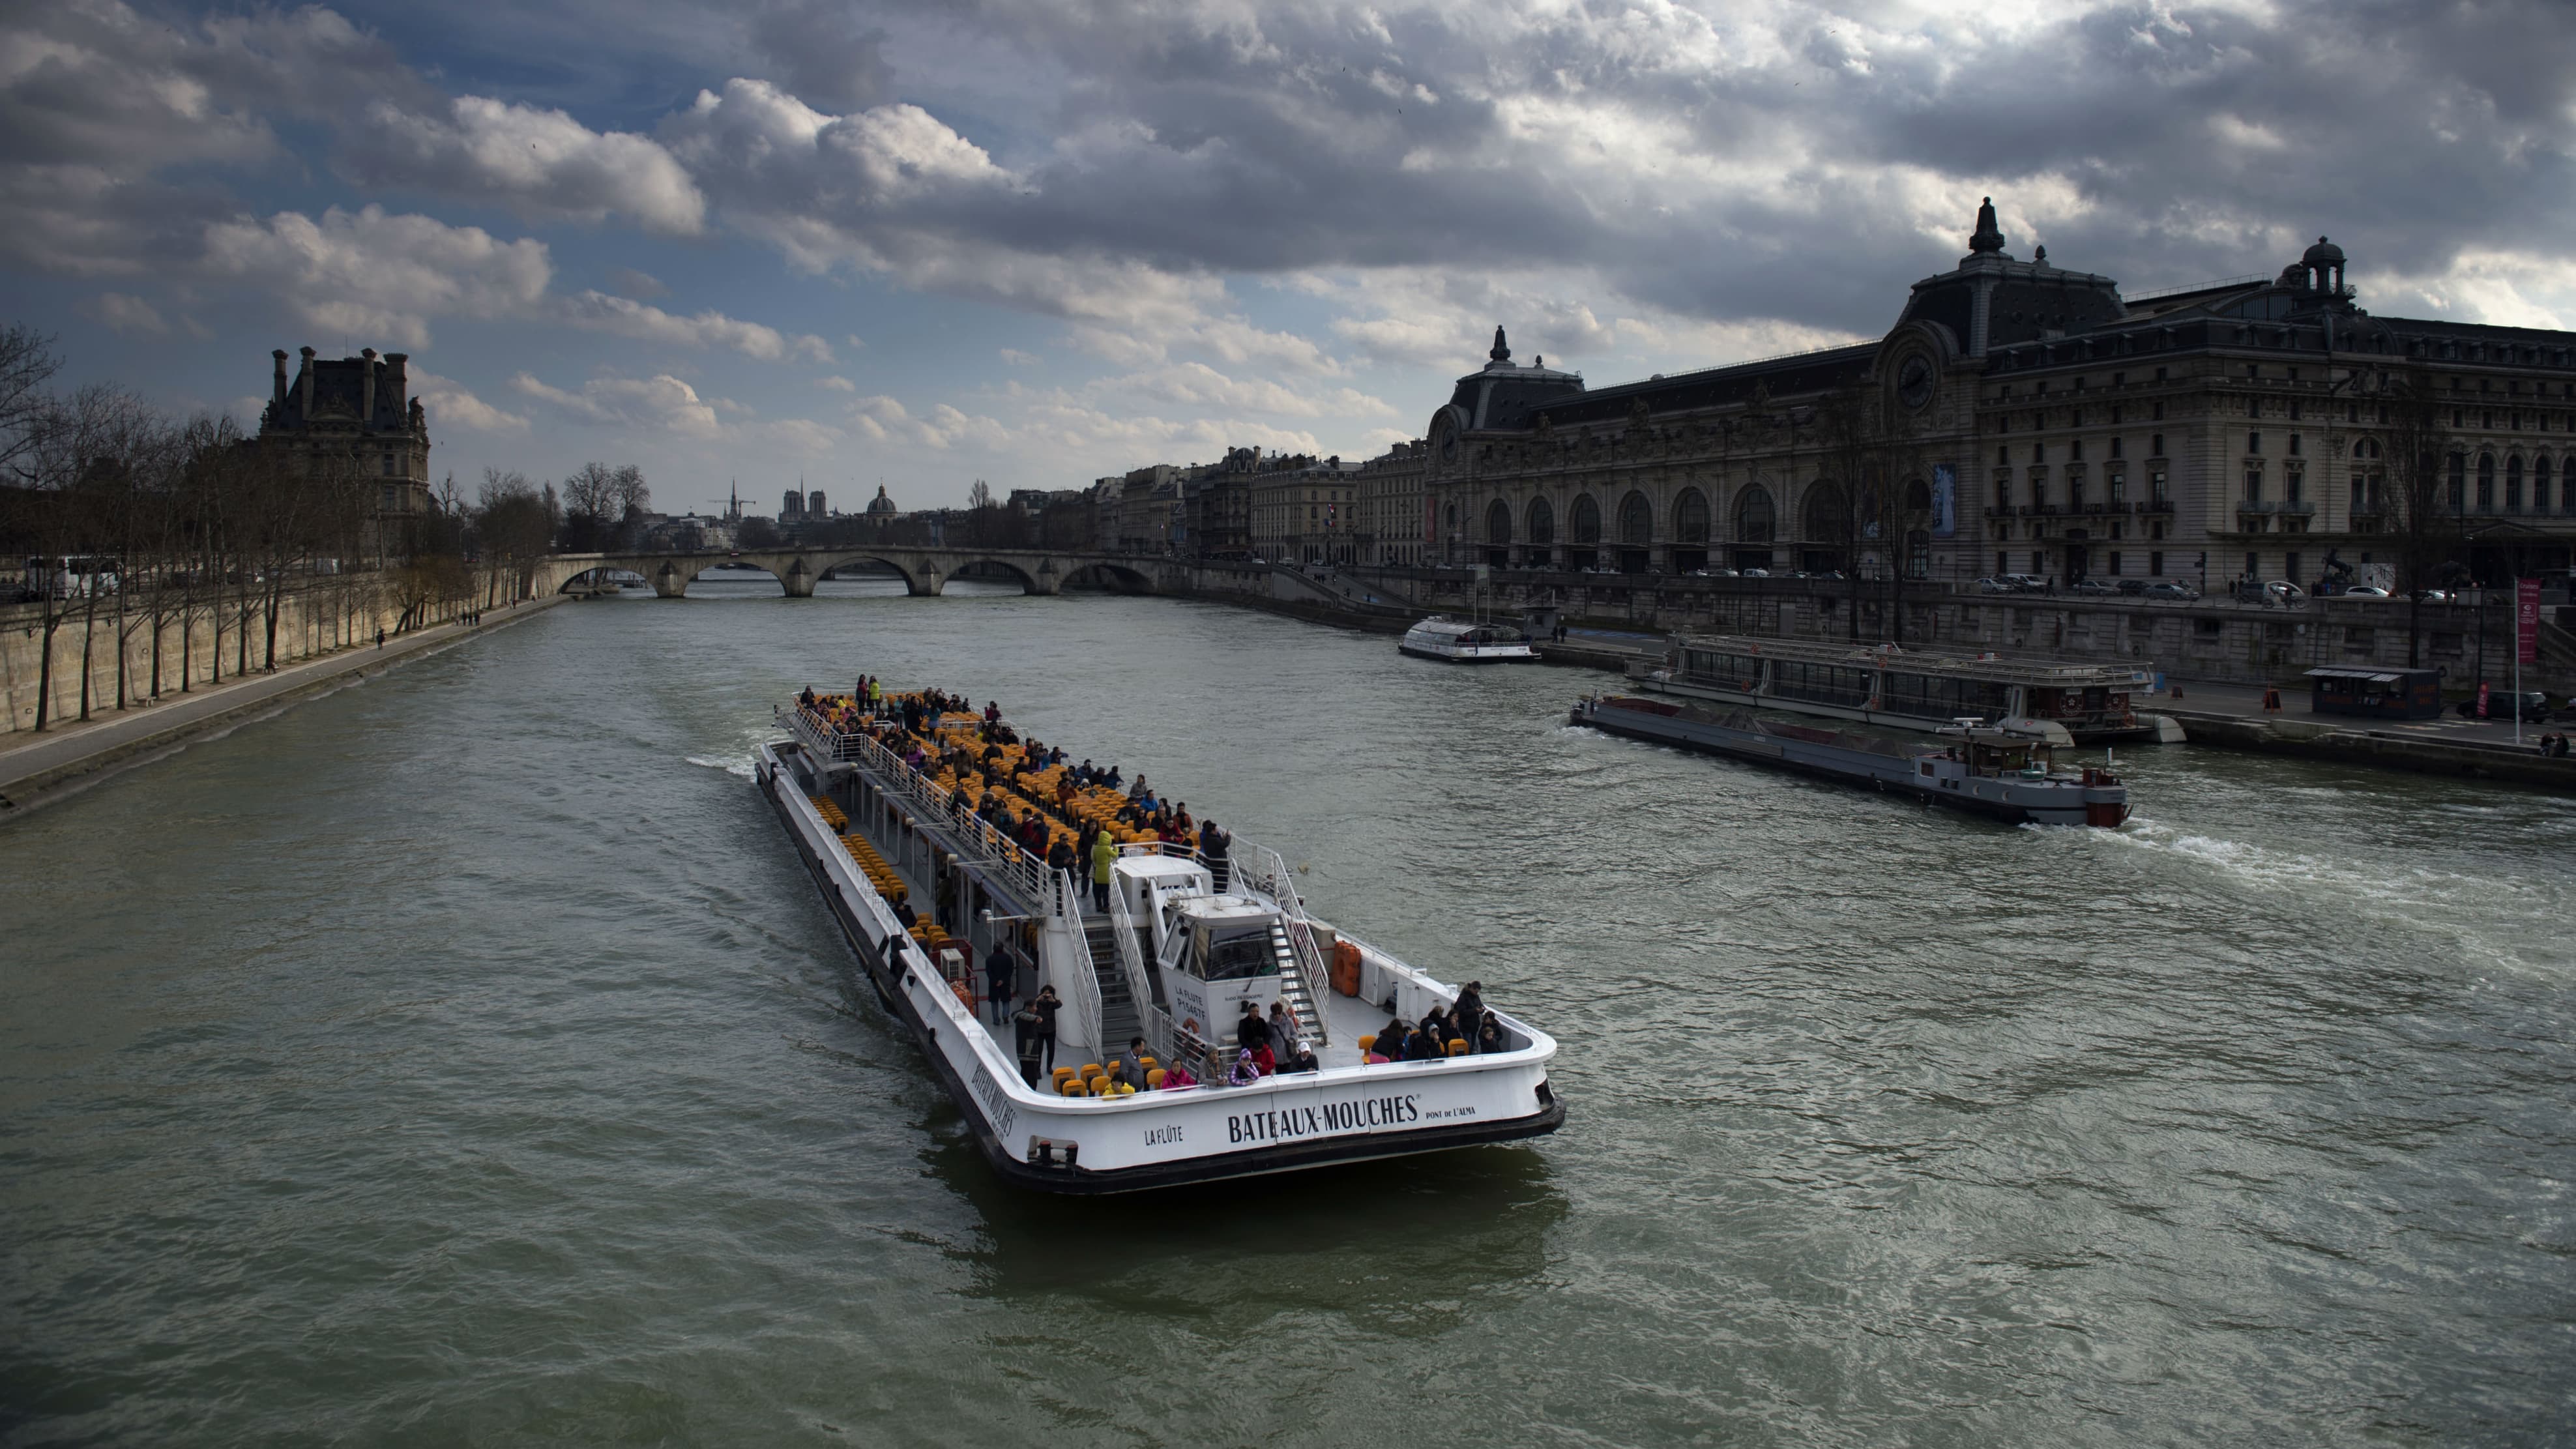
1074 817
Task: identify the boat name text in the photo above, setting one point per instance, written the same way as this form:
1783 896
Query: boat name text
1322 1118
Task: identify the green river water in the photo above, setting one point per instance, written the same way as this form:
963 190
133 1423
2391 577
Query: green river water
466 1057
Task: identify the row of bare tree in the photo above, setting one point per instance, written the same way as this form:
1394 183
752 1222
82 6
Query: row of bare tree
123 525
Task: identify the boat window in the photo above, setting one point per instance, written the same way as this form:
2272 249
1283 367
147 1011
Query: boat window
1245 954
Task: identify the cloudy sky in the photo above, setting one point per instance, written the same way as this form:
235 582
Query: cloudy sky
1035 241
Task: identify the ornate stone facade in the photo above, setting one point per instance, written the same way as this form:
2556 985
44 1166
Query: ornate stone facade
353 414
2027 419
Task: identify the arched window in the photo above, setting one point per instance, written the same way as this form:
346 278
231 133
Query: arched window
1918 554
1690 517
2486 481
1542 523
1585 519
2540 485
1827 518
1754 522
1918 496
1636 520
1498 522
2513 484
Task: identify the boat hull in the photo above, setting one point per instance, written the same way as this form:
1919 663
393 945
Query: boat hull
1521 654
1159 1139
2009 801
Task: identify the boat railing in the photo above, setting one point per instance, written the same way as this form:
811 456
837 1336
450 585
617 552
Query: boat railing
1260 867
1082 980
995 851
1131 964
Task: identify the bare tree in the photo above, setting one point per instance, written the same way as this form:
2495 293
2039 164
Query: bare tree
513 525
2416 505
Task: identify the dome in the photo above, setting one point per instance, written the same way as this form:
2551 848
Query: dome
2323 254
881 504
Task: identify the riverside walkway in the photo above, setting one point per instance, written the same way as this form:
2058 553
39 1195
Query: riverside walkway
38 769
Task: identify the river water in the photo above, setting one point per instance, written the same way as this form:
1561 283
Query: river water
465 1057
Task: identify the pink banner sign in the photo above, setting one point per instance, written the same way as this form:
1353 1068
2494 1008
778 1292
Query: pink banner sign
2526 620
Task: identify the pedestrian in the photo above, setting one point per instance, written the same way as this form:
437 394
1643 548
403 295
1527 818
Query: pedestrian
380 636
1251 1030
2271 700
1103 856
1214 848
1001 983
1283 1030
1490 1038
1046 1006
1132 1060
1471 1004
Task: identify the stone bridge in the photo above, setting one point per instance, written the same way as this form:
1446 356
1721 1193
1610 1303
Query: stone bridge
924 570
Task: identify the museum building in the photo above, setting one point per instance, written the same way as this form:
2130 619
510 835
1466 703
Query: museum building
2021 418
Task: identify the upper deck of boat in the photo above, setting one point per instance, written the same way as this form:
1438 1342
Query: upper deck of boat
998 798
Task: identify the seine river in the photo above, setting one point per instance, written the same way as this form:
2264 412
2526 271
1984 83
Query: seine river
465 1058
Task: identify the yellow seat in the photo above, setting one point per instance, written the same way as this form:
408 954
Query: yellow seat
1073 1087
1148 1063
1091 1070
1458 1048
1367 1045
1154 1076
1061 1073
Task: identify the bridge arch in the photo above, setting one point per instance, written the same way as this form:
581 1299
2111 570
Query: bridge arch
921 576
1106 574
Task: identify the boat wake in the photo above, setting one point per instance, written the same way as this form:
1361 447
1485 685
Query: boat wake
739 767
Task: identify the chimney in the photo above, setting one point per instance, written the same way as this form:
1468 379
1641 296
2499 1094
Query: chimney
277 393
304 384
367 388
394 379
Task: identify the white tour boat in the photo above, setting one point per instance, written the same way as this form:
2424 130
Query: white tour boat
1183 945
1462 641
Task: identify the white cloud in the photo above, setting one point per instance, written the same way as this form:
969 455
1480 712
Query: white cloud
622 317
450 403
539 163
368 273
661 403
1016 358
836 384
130 315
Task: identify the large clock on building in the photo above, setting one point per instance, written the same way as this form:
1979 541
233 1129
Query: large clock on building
1914 381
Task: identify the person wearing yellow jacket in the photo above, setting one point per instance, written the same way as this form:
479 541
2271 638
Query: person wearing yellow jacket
1104 854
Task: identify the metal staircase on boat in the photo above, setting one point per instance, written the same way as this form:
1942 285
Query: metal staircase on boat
1121 1019
1292 986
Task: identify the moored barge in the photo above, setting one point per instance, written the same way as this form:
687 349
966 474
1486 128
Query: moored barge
2063 703
904 859
1983 770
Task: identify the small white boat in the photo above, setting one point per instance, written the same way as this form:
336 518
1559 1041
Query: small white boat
1185 944
1464 641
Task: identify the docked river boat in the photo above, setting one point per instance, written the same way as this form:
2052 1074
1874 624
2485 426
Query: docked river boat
1462 641
903 857
1985 770
2062 703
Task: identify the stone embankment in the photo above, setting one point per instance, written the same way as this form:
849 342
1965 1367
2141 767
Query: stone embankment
1611 633
39 768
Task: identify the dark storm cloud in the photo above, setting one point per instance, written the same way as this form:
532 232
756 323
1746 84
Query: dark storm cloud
1789 150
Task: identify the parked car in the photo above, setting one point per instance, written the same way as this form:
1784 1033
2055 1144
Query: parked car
1712 573
2365 591
2133 587
1994 586
2091 588
2284 594
2028 583
1755 574
2437 596
2501 703
1834 574
2171 590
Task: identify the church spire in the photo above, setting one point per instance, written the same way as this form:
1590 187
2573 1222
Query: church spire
1988 237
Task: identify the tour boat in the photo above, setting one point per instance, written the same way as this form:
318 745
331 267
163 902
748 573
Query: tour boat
1183 945
1462 641
2065 703
1997 772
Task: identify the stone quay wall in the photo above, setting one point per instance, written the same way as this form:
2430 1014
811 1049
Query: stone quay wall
2206 639
316 618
